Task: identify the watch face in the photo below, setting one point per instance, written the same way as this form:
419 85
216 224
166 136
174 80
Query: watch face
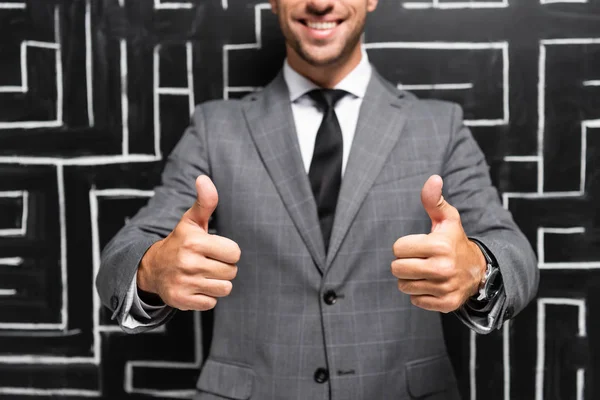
493 283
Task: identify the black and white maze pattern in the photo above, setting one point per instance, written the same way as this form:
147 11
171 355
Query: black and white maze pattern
94 94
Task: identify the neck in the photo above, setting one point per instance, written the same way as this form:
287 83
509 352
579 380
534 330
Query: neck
325 76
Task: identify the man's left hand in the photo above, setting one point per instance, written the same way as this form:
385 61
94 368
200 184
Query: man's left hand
442 269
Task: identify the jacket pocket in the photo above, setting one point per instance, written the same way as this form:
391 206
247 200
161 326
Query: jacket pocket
429 375
227 380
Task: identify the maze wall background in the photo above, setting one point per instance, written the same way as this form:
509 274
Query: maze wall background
94 93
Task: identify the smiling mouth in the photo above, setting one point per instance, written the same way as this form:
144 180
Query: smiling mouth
320 25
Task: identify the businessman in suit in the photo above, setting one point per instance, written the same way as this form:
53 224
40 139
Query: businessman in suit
349 214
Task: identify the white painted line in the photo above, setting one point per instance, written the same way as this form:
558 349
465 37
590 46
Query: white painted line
536 195
454 5
87 160
13 6
8 292
124 97
13 89
59 68
437 86
437 45
156 98
562 1
570 41
64 315
521 158
96 304
122 192
541 344
583 265
29 327
12 193
472 364
506 358
11 261
189 64
48 392
30 124
224 4
591 83
173 91
159 5
580 383
505 83
88 63
239 89
485 122
50 360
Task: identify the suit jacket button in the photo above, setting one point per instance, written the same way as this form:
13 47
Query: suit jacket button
114 302
330 297
321 375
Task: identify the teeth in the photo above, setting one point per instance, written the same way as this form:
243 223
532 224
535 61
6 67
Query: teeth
322 25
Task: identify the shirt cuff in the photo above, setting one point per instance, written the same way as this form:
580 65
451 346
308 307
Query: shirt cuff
483 319
136 313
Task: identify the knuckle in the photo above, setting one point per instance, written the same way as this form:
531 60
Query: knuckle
445 267
444 245
445 287
189 242
186 260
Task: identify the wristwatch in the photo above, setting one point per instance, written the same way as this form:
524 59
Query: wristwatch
492 282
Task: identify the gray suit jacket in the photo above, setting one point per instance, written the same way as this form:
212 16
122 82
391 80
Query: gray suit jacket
275 329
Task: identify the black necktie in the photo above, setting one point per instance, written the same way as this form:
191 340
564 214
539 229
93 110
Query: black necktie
325 172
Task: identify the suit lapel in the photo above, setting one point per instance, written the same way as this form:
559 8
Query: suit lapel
270 120
379 125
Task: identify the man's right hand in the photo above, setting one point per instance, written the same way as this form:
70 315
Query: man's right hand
190 268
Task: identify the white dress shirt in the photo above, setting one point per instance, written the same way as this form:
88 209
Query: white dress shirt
307 118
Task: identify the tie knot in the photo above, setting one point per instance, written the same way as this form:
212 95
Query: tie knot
326 98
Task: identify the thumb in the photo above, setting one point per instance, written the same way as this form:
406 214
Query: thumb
434 203
206 201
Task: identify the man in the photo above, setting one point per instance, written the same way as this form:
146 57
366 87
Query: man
335 213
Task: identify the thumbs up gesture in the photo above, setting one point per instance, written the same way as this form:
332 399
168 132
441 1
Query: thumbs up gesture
190 268
442 269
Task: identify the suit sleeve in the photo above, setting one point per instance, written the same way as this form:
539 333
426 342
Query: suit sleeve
468 187
175 194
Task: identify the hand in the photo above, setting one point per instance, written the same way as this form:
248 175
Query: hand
442 269
190 268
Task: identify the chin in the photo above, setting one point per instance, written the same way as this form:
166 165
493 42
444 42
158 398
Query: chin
321 58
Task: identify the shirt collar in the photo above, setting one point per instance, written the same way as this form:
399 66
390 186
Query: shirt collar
355 82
